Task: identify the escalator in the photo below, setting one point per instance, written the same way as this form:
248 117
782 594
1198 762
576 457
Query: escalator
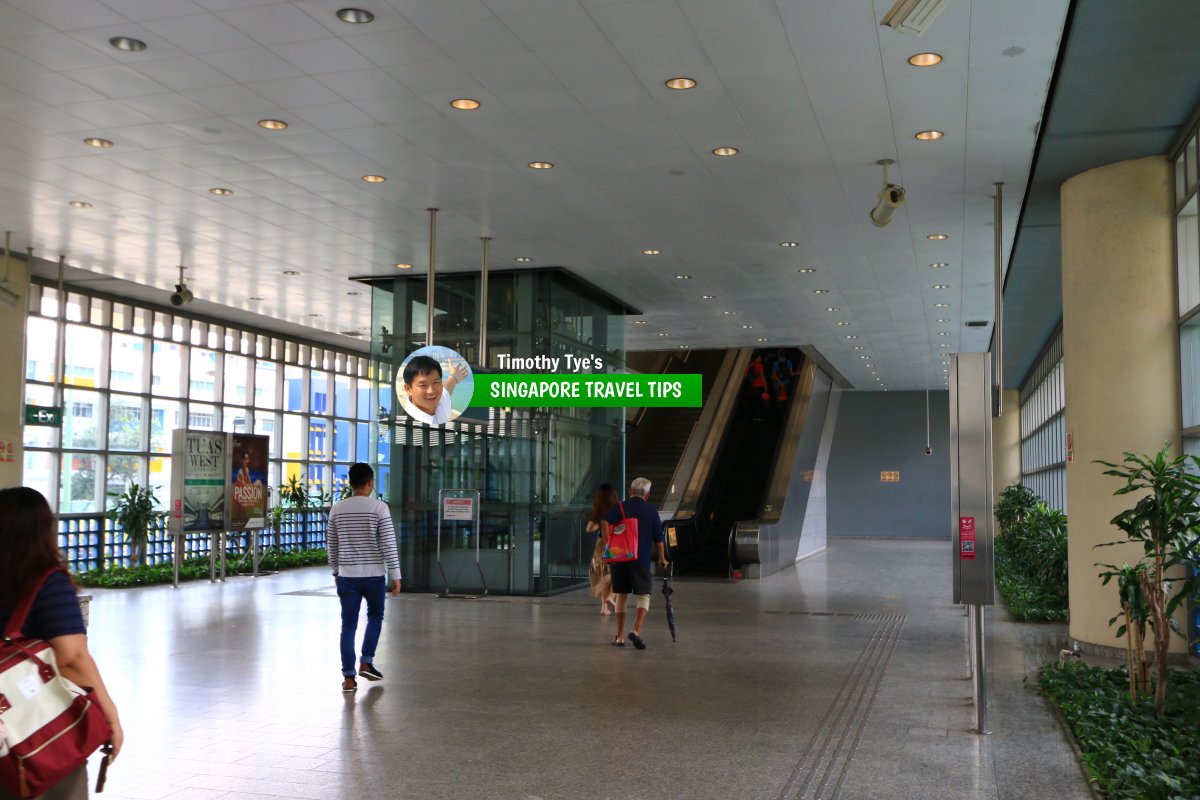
657 437
711 468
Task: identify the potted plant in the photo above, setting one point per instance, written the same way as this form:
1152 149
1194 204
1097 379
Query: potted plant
1166 522
1015 502
134 513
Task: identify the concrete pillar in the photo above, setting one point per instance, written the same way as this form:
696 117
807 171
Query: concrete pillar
1121 360
1006 444
12 366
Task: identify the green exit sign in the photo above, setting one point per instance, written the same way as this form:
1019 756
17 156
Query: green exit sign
50 416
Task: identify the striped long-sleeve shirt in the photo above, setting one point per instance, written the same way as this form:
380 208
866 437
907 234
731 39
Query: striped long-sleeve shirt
361 539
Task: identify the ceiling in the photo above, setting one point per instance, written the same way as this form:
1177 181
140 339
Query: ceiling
811 93
1126 87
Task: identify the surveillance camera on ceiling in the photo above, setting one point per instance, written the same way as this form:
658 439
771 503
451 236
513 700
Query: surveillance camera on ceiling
181 296
890 198
928 451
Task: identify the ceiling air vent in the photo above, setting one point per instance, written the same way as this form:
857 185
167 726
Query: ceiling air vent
913 16
978 323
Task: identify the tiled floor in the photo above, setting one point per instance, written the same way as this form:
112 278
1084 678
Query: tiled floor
844 677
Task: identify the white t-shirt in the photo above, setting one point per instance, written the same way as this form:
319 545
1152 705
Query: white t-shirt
440 416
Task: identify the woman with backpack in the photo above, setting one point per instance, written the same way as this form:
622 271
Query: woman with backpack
29 548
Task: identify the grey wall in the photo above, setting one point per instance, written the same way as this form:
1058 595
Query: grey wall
878 431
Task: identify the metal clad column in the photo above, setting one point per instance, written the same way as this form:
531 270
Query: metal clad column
971 504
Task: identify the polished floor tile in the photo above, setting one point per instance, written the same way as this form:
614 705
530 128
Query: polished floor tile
844 677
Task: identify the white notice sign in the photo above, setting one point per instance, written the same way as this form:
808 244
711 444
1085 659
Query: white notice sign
458 508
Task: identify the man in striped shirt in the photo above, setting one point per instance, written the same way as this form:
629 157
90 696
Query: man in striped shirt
363 556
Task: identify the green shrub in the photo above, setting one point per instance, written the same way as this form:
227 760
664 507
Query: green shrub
1127 749
1014 503
192 569
1028 598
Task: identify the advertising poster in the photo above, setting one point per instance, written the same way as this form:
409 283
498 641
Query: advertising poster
204 481
248 479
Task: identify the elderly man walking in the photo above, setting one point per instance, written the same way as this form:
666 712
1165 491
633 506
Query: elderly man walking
633 577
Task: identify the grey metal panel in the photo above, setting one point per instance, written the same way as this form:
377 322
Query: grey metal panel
971 477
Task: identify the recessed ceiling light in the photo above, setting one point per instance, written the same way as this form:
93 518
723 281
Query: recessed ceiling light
937 237
465 104
652 252
867 357
851 336
943 333
806 271
290 272
93 141
857 346
272 124
355 16
684 346
929 136
939 264
747 327
941 305
841 323
79 204
128 44
943 319
540 165
925 60
664 334
683 277
943 344
832 308
681 83
403 266
792 244
761 339
639 322
725 151
729 313
941 286
374 178
707 297
820 291
220 191
523 259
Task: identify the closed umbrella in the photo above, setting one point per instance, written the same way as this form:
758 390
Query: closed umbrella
667 591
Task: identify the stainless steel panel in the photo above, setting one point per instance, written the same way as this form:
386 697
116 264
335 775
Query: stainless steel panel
971 478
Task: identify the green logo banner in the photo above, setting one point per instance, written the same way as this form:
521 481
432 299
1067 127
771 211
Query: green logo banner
594 391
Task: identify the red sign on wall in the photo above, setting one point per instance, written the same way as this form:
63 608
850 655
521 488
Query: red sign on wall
966 538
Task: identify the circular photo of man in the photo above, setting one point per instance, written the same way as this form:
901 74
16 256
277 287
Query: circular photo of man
435 385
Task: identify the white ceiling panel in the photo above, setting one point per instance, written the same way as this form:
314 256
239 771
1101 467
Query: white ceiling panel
812 93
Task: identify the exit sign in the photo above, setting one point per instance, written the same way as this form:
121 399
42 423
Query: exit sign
50 416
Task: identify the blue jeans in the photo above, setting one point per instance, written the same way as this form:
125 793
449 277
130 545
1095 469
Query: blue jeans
351 593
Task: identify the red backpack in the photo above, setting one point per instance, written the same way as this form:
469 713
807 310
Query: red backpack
48 725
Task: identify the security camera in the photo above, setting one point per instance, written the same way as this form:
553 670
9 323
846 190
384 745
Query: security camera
928 451
891 198
181 296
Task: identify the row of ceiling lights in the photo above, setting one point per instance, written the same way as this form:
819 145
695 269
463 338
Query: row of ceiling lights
360 16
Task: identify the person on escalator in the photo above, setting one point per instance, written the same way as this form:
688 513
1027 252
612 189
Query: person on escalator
756 383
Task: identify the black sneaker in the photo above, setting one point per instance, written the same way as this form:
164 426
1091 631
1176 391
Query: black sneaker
349 685
369 672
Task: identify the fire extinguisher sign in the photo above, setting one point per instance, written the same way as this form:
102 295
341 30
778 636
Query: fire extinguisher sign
966 538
